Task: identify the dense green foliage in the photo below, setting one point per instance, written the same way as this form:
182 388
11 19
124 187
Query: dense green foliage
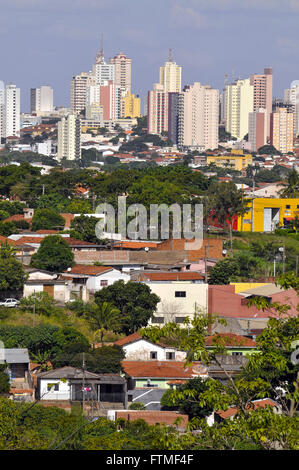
43 338
54 254
134 300
4 380
12 273
47 219
104 360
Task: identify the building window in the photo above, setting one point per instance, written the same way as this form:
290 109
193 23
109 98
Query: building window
158 320
170 356
104 283
153 354
179 319
237 353
179 293
288 207
54 387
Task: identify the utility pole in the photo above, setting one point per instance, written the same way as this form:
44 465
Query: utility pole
284 258
83 383
34 300
206 264
297 265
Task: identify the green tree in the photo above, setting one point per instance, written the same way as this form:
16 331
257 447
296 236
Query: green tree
54 254
224 271
4 379
42 304
84 228
12 273
268 150
223 202
79 206
104 317
179 399
291 185
47 219
8 228
134 300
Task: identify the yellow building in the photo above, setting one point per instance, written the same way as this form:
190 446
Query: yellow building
131 106
269 213
236 160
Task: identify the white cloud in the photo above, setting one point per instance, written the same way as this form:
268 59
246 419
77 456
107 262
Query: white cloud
185 16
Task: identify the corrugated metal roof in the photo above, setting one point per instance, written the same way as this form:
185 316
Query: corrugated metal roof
15 356
269 289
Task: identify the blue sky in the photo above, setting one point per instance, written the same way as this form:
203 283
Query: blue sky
47 41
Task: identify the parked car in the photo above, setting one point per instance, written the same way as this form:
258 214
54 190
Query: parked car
9 303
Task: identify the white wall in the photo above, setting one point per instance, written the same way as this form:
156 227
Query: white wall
171 306
94 282
61 292
64 392
140 351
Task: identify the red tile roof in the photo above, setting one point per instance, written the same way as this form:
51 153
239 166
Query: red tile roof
17 218
88 270
232 411
69 240
160 369
4 240
172 276
135 245
128 339
230 340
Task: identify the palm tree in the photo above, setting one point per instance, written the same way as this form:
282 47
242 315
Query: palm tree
104 317
291 186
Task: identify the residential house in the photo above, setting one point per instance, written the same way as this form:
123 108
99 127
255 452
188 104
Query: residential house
235 345
17 366
138 348
179 299
85 280
168 276
67 384
232 411
40 280
148 380
229 302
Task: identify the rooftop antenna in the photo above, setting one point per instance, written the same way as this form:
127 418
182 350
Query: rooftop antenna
225 79
170 58
100 55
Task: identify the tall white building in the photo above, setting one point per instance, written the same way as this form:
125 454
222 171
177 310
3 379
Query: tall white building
2 99
238 102
291 96
122 71
79 84
9 110
157 110
198 117
102 71
41 100
171 75
69 137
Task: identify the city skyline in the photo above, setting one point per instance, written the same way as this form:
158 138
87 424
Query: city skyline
208 39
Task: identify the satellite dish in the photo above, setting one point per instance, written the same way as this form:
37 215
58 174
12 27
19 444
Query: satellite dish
146 248
69 269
